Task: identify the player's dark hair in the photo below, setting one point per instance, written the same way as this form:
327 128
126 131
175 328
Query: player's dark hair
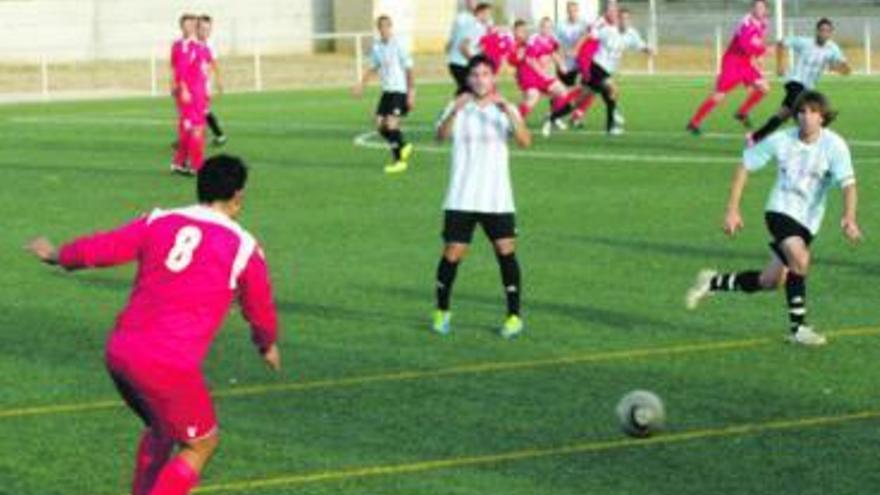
187 17
519 23
481 7
383 18
818 102
824 22
220 178
205 18
478 60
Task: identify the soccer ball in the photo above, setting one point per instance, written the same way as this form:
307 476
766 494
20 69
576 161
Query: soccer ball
641 413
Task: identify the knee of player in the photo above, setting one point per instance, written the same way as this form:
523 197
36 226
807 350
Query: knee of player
454 253
505 247
772 282
719 97
206 445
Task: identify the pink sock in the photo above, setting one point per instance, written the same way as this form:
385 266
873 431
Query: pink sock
182 150
704 111
755 97
152 454
585 104
196 149
176 478
524 110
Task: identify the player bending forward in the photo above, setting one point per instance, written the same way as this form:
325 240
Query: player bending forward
479 124
192 262
814 55
810 159
393 63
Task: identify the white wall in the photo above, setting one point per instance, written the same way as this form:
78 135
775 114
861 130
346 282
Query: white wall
116 29
533 10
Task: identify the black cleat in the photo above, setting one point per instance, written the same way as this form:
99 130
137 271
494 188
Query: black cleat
694 130
744 120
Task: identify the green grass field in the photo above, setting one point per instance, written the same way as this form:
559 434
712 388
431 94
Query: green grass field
612 232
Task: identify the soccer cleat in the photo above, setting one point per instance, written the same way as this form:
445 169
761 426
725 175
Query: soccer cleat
560 125
701 289
694 130
616 131
744 120
441 322
220 140
806 336
180 169
618 118
396 168
547 128
406 152
513 326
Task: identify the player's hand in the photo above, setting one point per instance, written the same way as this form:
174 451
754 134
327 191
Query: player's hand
358 90
43 249
851 229
272 358
733 222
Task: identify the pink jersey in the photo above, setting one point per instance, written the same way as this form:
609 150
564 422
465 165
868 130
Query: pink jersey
192 262
199 69
180 57
498 46
748 38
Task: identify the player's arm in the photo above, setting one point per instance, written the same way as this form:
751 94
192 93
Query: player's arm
258 308
848 222
781 58
519 130
99 250
733 222
447 120
368 75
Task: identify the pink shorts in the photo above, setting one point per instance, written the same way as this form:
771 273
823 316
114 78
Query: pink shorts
528 79
175 402
737 71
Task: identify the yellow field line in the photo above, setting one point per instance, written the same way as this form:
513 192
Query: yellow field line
470 369
519 455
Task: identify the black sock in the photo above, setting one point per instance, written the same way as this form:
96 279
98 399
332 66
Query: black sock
510 278
214 124
774 123
610 107
796 295
562 112
747 282
395 140
446 271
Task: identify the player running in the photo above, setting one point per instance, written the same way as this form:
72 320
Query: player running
479 123
740 66
213 78
585 50
498 45
616 36
192 263
811 159
181 54
535 59
469 26
393 63
192 83
569 32
814 56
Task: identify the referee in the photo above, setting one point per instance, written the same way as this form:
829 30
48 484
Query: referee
480 123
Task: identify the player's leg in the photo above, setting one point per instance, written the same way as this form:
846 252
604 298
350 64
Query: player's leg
710 282
216 130
607 93
705 108
501 231
797 254
757 91
793 91
531 97
179 163
458 232
561 100
181 474
197 148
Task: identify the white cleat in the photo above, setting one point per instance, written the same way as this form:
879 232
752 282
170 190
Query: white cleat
547 128
618 118
560 125
616 131
806 336
700 290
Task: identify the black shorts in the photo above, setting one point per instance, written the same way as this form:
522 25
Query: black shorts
598 77
568 78
793 92
458 226
460 75
782 227
392 105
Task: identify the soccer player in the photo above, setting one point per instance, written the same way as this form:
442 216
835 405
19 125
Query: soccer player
192 79
204 36
740 66
498 44
535 58
192 263
614 38
393 63
811 159
569 32
181 54
479 123
814 56
469 26
586 49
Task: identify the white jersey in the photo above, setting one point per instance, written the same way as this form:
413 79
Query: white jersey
480 171
812 59
569 33
391 60
464 27
806 172
612 44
